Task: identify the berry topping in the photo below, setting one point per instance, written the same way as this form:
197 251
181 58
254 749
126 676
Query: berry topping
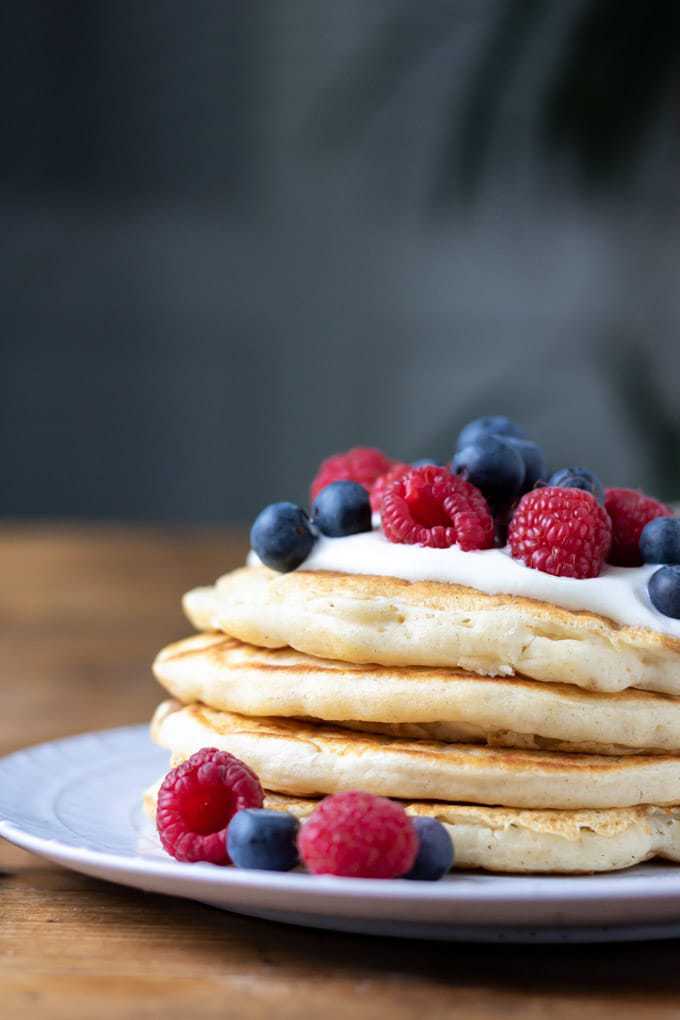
578 478
430 506
630 511
435 850
534 461
664 591
282 536
342 508
263 840
660 540
490 425
492 465
198 799
358 835
363 464
380 484
560 531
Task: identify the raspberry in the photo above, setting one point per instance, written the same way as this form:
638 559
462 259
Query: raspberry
430 506
564 532
358 835
630 511
197 800
381 483
363 464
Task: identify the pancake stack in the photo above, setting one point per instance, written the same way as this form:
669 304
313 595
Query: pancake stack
546 739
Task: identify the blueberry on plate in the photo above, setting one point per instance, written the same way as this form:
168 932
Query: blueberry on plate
578 478
342 508
494 466
534 462
660 540
282 536
263 840
664 591
435 851
490 425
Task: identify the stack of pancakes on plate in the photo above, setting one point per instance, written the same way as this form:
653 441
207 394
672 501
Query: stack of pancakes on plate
547 740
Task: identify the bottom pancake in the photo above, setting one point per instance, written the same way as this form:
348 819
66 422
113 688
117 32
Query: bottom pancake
548 842
302 759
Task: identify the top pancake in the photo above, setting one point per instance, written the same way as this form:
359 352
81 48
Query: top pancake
392 622
416 701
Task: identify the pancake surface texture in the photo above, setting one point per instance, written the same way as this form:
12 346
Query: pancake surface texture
384 620
552 842
303 759
416 702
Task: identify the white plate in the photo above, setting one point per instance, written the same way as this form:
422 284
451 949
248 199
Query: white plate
78 802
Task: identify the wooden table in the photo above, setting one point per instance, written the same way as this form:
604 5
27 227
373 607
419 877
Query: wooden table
83 610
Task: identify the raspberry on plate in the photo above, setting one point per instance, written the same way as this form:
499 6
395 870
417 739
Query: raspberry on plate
430 506
198 799
380 484
362 464
630 511
357 835
564 532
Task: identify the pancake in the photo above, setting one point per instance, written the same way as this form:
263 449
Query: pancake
551 842
391 622
302 759
416 702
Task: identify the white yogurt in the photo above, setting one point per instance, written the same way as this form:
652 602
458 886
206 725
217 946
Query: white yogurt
619 593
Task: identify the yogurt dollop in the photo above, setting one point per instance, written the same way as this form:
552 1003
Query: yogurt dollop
619 593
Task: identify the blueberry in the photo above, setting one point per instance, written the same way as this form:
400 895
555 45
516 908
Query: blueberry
578 478
491 425
494 466
534 461
435 851
263 840
660 540
282 536
664 591
424 462
342 508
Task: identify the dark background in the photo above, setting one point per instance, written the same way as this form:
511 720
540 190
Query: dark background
239 236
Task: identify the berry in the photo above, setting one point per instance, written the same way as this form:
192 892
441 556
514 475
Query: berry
490 425
493 466
664 591
430 506
630 511
363 464
342 508
578 478
358 835
380 484
198 799
660 540
534 461
282 536
435 850
263 840
560 531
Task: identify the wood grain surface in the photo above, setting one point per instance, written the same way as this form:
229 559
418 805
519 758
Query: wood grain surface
82 612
